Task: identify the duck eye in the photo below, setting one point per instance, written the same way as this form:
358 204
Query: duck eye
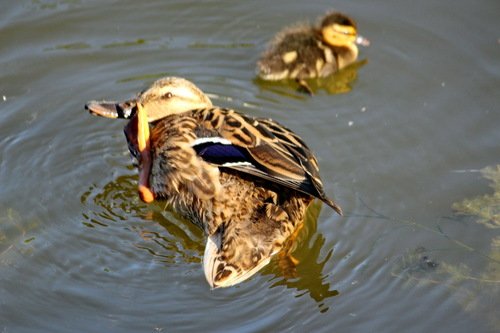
168 95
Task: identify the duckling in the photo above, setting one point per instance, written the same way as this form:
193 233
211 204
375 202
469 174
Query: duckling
304 51
245 181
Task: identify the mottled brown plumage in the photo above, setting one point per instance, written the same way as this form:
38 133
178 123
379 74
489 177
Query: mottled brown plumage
245 181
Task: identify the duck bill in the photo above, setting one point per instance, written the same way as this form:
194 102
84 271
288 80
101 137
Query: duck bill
123 110
360 40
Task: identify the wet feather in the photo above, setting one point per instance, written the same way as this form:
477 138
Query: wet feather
245 181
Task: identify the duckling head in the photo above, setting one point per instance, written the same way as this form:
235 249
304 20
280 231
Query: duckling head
166 96
338 30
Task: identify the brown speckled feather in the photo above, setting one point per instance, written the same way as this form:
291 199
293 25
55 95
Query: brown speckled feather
279 154
247 212
247 207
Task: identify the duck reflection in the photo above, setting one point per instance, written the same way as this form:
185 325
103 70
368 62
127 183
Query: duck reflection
340 82
117 202
112 202
245 181
300 265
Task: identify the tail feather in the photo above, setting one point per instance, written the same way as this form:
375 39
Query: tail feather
239 248
219 272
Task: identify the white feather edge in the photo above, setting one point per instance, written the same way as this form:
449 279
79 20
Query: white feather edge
213 139
210 263
233 164
210 256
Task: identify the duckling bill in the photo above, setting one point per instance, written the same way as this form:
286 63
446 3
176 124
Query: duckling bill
305 51
245 181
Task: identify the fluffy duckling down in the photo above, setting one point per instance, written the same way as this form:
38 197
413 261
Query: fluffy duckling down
305 51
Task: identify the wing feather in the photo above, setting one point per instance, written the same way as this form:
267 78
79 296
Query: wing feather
274 152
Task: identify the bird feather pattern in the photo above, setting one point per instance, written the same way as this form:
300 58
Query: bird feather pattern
246 182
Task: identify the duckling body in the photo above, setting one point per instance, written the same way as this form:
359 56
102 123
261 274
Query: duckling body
305 51
245 181
298 53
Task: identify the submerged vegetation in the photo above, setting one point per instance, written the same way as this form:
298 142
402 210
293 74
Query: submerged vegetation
485 210
486 207
477 277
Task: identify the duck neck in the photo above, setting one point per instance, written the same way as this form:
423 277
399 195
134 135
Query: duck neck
346 55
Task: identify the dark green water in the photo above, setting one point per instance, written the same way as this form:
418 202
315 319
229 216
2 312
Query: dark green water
404 142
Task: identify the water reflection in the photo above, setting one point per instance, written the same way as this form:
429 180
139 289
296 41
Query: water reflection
183 239
118 202
111 203
299 266
15 238
340 82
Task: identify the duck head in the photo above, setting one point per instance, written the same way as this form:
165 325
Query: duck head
164 97
339 30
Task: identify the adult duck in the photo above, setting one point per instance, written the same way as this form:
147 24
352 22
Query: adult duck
245 181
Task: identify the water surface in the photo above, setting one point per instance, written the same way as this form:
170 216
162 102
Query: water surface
400 139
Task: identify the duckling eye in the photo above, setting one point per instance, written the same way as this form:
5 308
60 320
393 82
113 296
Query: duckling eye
168 95
345 30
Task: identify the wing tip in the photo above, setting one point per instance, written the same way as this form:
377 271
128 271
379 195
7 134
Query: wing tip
334 206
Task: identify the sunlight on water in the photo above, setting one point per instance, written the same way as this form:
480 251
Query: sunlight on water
299 266
406 139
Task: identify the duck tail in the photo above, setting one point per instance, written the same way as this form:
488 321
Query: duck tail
239 249
221 272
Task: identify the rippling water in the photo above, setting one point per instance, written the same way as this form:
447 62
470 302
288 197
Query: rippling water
400 138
